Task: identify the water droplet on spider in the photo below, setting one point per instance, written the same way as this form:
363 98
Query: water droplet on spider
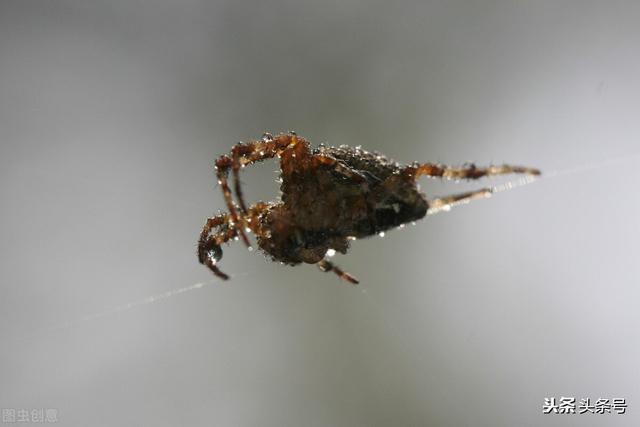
401 226
381 234
446 208
250 248
331 252
247 230
351 237
214 256
236 238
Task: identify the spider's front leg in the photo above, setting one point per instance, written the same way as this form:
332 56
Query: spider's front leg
224 229
209 250
243 154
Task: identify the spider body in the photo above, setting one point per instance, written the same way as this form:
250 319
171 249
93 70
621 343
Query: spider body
330 195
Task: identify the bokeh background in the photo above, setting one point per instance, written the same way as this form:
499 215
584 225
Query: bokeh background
111 113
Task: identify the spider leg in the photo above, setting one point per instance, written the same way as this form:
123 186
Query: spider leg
222 166
206 254
238 152
209 245
445 203
339 167
326 266
243 154
469 171
209 250
252 218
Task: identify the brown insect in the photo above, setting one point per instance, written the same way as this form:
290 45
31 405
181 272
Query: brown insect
330 195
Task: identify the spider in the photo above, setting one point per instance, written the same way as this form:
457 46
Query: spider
330 195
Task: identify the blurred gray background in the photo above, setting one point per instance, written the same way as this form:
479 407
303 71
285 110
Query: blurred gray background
111 113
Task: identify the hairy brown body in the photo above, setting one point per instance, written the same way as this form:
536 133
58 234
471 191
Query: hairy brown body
330 195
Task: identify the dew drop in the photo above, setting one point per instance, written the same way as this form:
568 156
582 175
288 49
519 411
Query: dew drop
331 252
381 234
